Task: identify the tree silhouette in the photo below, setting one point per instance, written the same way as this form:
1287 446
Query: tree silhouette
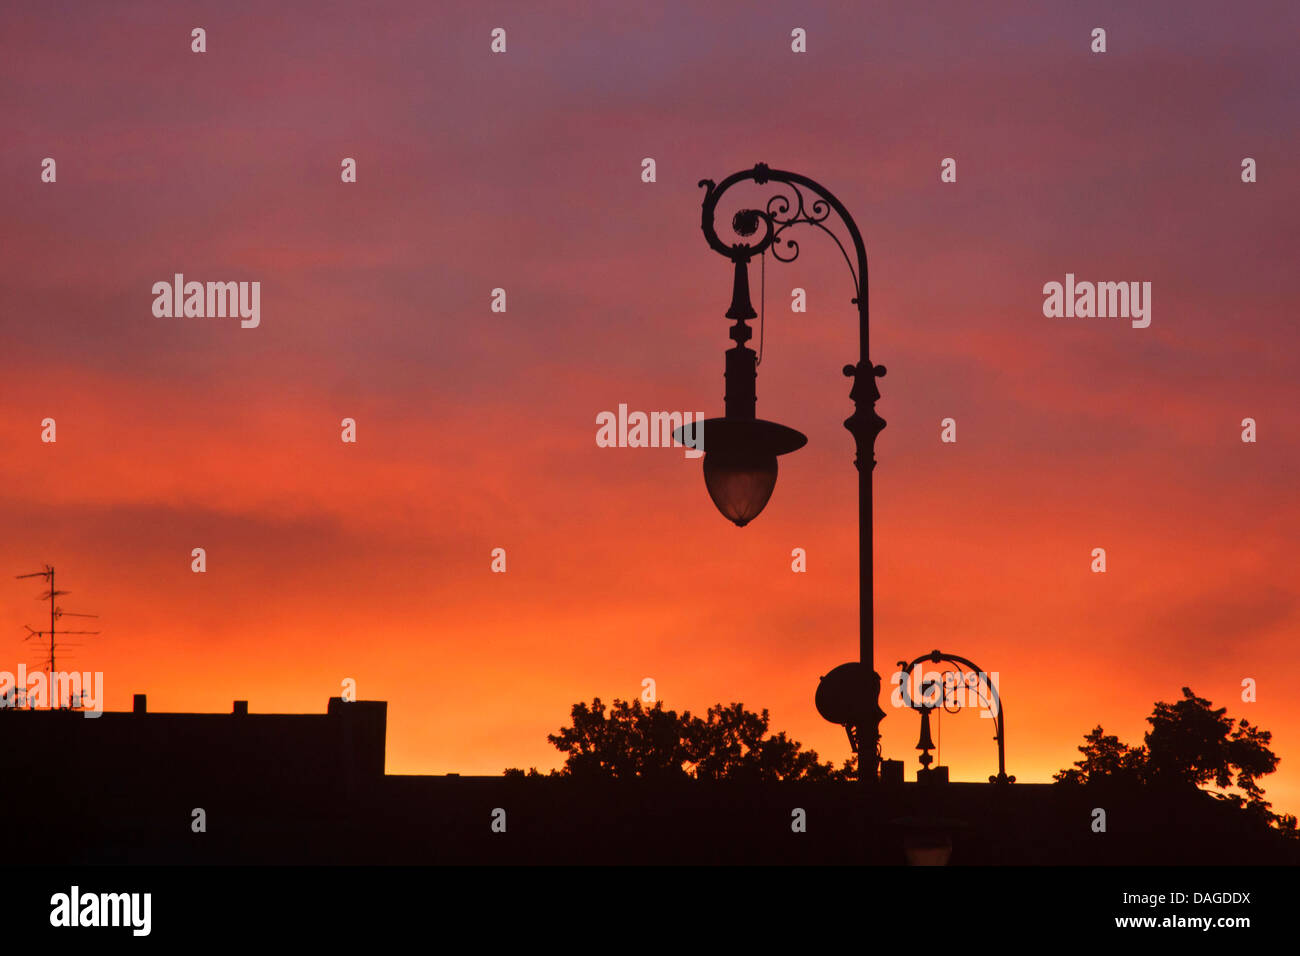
1188 745
629 742
731 743
1104 757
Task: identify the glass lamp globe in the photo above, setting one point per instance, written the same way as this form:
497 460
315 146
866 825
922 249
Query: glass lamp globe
740 462
739 487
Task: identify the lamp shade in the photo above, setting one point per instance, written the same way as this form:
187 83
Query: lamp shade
740 461
927 850
740 488
927 841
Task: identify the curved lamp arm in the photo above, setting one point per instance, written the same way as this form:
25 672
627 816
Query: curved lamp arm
781 212
1000 736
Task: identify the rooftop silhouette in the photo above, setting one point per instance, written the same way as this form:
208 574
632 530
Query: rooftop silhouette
311 788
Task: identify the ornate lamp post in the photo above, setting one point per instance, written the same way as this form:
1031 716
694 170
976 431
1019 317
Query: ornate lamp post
968 675
740 450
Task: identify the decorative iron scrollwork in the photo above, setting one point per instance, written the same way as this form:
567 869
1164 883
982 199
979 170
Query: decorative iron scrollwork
961 673
782 211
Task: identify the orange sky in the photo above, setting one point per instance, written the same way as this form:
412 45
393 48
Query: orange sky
477 430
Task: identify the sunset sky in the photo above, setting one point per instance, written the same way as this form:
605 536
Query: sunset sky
476 430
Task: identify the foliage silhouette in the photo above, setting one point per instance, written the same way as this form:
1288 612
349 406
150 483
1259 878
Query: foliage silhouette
1188 745
1105 756
730 743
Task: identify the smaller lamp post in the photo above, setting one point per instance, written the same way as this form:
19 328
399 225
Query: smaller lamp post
965 670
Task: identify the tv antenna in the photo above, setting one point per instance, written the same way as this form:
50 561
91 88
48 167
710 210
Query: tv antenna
55 613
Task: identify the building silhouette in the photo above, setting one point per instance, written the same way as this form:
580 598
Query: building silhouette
240 787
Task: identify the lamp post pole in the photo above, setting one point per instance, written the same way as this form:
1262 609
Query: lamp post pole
782 212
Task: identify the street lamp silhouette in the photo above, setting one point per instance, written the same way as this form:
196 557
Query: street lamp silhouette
741 450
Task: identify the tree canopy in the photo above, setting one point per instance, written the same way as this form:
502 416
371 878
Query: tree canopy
1189 745
729 743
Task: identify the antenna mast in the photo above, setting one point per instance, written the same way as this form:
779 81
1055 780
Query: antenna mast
55 614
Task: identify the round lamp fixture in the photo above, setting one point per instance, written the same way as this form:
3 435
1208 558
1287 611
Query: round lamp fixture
740 461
